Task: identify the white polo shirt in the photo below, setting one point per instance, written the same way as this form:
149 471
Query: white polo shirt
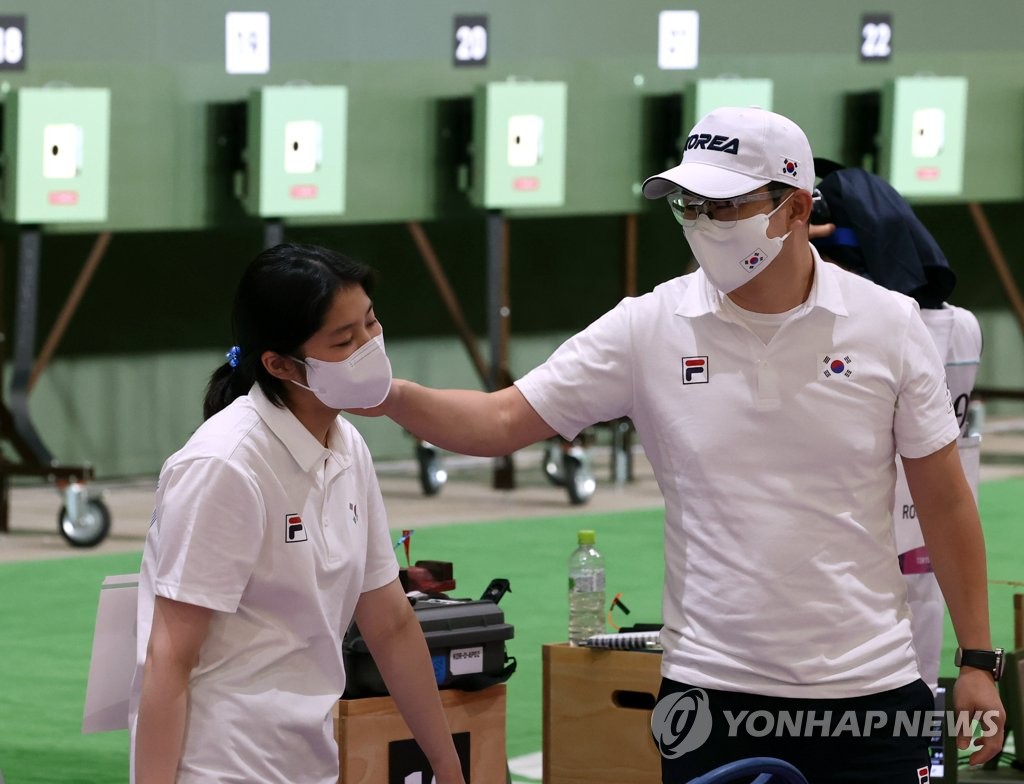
257 520
957 337
777 466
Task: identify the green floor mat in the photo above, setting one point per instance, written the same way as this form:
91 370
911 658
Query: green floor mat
49 609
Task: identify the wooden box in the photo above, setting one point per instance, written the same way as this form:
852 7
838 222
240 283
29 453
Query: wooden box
364 728
597 716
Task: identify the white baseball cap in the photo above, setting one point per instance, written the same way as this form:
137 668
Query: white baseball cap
733 151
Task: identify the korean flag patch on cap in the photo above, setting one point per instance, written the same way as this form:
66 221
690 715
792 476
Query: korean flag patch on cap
789 168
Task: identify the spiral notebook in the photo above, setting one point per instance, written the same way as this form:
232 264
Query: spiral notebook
625 641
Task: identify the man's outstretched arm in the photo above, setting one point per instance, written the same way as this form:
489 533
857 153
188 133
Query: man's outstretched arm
466 421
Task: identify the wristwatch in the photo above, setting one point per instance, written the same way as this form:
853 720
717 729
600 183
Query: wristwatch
989 661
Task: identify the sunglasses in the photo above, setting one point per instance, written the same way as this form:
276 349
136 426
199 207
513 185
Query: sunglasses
686 207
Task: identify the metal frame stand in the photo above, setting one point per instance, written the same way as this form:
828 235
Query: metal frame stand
16 425
494 373
273 232
498 313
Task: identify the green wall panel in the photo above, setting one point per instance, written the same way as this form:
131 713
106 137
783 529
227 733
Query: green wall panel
174 145
154 318
126 414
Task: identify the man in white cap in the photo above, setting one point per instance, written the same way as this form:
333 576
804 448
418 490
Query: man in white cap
771 393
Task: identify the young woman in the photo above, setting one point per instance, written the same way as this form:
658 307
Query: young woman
268 537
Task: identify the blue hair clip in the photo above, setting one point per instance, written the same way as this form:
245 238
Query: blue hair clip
233 355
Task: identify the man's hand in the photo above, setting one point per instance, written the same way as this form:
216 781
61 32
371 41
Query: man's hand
817 231
976 693
382 408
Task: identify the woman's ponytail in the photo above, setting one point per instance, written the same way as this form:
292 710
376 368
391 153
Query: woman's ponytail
231 380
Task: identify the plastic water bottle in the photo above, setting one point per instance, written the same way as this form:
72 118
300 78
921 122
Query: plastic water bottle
586 590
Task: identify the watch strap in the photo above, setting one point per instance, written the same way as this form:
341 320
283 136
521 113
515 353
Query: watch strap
989 661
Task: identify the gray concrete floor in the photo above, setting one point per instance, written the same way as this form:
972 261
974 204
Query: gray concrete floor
466 497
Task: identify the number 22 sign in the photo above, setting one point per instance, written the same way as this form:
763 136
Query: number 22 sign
876 37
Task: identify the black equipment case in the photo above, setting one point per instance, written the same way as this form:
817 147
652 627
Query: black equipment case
466 641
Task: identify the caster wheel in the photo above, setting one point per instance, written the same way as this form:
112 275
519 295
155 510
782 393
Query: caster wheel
579 480
90 529
552 465
432 475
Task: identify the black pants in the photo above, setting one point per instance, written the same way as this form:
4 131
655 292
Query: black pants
856 741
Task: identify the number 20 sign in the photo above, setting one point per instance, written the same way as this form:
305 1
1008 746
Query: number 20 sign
471 42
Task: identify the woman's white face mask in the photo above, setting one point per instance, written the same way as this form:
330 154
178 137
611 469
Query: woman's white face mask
733 255
361 381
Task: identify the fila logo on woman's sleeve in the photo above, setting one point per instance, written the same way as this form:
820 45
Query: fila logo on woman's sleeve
695 370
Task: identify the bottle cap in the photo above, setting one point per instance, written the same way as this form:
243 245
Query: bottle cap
585 537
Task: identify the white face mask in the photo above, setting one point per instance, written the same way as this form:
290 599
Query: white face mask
361 381
735 255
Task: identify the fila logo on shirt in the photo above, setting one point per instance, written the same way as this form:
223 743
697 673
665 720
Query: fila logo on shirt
294 530
837 366
695 370
922 776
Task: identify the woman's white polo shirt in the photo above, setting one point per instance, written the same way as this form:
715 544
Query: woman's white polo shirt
257 520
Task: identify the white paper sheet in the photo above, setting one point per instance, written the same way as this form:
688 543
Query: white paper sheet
113 655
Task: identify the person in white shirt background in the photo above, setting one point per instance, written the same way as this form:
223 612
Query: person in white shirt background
771 392
863 224
268 537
